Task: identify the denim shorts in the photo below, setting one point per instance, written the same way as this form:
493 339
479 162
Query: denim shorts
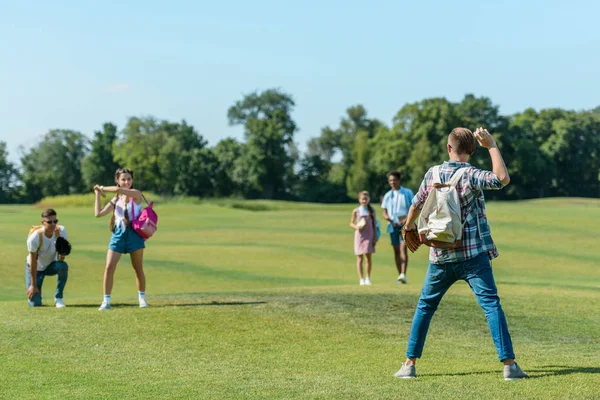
125 240
396 236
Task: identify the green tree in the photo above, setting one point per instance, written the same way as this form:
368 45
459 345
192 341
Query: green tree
198 173
425 127
53 167
326 145
138 149
8 177
574 146
314 184
155 150
359 176
269 129
531 169
355 128
99 166
479 111
229 177
388 152
181 149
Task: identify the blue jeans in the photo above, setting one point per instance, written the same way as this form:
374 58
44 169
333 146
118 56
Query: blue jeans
477 272
59 268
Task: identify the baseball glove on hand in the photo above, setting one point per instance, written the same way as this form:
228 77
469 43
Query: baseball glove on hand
411 238
63 247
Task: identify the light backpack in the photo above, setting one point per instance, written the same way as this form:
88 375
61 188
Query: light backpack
440 223
146 223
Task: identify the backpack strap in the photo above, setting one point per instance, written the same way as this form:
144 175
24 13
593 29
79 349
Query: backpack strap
457 176
435 171
453 182
40 239
132 208
437 181
113 202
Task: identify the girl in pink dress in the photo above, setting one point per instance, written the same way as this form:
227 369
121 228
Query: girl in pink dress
363 222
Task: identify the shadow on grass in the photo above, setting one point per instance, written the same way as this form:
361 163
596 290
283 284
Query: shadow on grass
216 303
212 303
541 372
463 373
554 370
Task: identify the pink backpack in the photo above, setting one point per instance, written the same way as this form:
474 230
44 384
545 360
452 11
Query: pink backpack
146 223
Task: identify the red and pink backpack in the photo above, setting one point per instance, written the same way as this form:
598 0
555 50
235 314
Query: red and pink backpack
146 223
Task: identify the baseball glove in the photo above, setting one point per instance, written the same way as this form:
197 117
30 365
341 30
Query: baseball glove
411 238
63 247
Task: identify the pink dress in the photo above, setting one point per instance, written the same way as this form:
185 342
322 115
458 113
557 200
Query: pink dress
364 240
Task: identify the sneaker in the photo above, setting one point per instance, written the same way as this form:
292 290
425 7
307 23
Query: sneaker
406 372
104 306
362 282
513 372
367 281
59 303
401 279
143 303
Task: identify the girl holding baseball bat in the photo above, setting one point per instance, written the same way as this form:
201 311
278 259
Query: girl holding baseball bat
126 204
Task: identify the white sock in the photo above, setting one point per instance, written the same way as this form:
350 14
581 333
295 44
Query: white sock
141 295
107 298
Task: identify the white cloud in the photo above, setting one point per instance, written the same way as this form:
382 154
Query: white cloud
116 88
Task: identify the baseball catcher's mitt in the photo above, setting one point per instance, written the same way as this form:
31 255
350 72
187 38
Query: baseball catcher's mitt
63 247
411 238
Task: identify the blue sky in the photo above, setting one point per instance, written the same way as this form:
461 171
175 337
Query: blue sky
75 64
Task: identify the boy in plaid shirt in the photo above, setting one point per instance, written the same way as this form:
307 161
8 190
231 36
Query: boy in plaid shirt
469 262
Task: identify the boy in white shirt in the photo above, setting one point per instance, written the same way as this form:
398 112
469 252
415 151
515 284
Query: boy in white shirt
43 260
395 205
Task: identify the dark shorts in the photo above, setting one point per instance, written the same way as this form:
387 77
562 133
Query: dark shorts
125 240
396 236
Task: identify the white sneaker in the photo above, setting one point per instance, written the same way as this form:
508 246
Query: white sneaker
367 281
406 372
143 303
401 279
59 303
104 306
362 282
514 372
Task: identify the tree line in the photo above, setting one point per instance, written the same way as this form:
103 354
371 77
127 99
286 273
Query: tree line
549 153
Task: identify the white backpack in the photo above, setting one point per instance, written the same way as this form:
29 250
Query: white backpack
440 223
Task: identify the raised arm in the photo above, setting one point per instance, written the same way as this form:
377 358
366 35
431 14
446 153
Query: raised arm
107 208
134 193
486 140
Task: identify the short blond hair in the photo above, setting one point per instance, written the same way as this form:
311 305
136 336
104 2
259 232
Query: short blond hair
462 141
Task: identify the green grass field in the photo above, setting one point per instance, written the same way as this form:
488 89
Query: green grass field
261 300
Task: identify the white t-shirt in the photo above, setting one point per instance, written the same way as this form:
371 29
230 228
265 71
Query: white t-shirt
120 210
47 252
395 203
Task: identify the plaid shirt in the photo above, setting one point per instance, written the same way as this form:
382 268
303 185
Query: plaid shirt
476 237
